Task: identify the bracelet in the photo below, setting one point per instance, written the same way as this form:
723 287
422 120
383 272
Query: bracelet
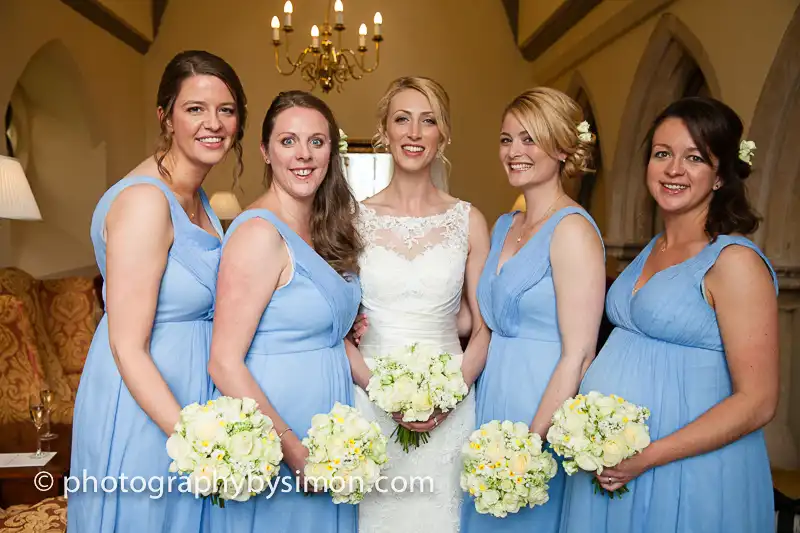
280 435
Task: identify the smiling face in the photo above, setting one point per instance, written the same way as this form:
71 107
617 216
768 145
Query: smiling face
299 151
525 163
204 122
412 131
679 177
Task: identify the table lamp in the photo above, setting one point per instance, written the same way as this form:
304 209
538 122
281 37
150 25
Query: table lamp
16 198
226 206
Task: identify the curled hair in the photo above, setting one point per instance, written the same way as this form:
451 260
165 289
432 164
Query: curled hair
551 118
333 230
440 104
716 130
181 67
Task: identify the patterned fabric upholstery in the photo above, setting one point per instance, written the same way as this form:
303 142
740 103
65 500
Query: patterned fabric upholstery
20 368
47 516
63 315
70 311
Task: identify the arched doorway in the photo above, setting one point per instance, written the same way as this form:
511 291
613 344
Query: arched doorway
64 159
589 190
774 188
673 65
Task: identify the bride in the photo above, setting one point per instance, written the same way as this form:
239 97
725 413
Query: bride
422 248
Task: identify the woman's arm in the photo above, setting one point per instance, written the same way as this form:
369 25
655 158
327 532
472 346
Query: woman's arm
578 265
138 233
359 369
254 263
478 345
746 305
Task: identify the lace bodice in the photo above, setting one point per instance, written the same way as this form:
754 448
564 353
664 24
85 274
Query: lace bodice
412 272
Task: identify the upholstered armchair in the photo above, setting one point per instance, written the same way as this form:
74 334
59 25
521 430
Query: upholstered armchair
48 338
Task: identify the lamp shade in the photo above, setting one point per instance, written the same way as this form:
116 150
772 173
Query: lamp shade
519 204
16 197
225 205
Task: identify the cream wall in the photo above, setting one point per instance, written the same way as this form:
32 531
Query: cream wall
471 51
75 158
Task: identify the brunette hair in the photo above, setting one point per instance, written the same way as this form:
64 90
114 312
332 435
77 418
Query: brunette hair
716 130
333 230
195 63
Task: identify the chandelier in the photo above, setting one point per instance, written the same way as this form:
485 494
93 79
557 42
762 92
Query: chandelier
322 63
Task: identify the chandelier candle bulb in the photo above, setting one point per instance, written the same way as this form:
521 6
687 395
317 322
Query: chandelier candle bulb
378 21
314 36
362 37
338 7
276 31
287 10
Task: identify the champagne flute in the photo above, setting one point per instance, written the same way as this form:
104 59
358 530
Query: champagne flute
37 412
47 402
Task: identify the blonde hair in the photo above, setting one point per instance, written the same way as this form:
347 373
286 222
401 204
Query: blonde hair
440 104
551 118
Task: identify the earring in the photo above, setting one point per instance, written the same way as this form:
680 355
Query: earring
716 186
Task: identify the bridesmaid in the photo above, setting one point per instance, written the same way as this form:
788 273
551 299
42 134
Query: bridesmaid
157 244
287 295
541 291
696 341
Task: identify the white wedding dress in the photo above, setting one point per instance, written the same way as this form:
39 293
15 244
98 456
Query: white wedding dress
412 273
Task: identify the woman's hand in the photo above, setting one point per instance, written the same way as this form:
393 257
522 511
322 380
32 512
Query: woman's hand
615 478
360 327
295 455
435 420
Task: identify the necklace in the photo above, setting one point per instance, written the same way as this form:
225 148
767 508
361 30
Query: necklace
524 232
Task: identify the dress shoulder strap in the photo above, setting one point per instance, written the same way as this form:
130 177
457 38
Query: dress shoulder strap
722 242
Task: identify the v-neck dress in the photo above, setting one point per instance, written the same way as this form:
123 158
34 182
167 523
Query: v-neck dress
297 357
518 304
112 437
666 353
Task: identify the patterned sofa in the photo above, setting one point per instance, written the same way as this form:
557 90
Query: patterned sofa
46 327
47 516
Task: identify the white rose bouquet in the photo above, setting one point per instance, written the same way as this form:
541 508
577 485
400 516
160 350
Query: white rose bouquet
227 446
346 454
595 431
415 380
506 469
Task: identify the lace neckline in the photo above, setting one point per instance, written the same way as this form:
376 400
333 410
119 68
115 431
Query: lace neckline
435 216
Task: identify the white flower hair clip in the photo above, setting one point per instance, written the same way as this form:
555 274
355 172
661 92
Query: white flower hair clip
746 149
342 142
583 132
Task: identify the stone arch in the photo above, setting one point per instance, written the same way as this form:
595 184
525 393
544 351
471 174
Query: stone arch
590 191
775 183
673 65
66 163
774 188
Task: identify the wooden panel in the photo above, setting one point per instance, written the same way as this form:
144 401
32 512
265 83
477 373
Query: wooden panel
564 18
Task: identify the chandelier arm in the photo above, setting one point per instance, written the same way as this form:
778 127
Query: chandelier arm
360 62
293 64
346 68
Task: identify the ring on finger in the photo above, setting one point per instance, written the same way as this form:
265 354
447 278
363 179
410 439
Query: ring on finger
435 422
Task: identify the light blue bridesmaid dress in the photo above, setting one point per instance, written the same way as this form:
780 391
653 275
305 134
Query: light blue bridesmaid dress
297 357
666 353
112 436
518 305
